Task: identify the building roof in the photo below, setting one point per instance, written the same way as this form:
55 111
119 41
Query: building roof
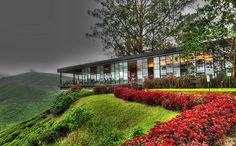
75 68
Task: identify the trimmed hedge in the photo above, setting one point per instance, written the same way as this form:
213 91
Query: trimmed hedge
168 100
207 119
187 82
106 89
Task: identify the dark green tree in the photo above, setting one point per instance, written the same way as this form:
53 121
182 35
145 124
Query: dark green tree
128 27
215 21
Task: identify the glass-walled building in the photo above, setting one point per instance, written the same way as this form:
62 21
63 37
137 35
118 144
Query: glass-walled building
150 65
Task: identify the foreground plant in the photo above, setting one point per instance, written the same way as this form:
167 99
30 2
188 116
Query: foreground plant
203 124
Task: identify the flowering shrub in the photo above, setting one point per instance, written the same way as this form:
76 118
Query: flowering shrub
76 88
168 100
203 125
209 118
105 89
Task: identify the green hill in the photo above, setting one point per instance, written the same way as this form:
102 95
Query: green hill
22 96
95 120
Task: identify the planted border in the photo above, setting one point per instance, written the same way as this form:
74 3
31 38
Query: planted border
210 117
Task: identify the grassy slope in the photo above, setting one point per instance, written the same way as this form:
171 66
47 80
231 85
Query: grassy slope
116 115
22 96
112 117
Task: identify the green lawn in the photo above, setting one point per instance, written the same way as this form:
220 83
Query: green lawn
115 115
112 123
198 89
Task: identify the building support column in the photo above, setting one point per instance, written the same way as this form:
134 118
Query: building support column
60 79
74 78
234 57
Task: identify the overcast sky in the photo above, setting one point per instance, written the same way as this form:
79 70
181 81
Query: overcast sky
45 34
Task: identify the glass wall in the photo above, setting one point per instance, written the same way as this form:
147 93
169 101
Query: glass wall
157 67
191 65
163 66
200 61
139 68
169 65
142 67
113 74
176 65
100 74
209 64
117 73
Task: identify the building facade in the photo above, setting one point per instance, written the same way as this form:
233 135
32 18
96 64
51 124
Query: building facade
150 65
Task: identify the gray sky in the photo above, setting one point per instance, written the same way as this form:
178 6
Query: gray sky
45 34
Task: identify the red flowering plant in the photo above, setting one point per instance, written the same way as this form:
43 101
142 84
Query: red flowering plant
204 119
76 88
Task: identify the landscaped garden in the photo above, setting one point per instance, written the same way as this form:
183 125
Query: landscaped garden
133 116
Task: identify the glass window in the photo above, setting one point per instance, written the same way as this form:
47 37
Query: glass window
121 71
163 66
200 62
139 67
156 67
125 71
191 65
183 66
88 74
113 77
209 64
145 68
117 72
176 65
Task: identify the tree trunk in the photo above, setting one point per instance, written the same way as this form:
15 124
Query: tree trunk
234 62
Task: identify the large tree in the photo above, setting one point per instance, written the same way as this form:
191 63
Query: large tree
128 27
215 21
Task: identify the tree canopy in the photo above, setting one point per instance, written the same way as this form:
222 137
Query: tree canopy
128 27
214 22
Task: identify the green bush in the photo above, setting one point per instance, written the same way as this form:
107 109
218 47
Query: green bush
77 118
137 132
61 104
49 136
64 100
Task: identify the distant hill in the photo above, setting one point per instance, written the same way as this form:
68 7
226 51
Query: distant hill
22 96
2 75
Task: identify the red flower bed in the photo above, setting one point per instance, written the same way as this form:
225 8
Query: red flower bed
204 124
168 100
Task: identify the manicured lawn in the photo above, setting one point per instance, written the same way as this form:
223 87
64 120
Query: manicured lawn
198 89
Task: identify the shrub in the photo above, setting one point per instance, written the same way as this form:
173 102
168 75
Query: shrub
49 136
137 132
168 100
110 88
178 82
203 125
61 104
63 101
77 118
104 89
76 88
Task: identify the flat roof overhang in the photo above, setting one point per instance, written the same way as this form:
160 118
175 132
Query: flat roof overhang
76 68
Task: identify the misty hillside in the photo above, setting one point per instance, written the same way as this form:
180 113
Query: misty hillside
2 75
22 96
